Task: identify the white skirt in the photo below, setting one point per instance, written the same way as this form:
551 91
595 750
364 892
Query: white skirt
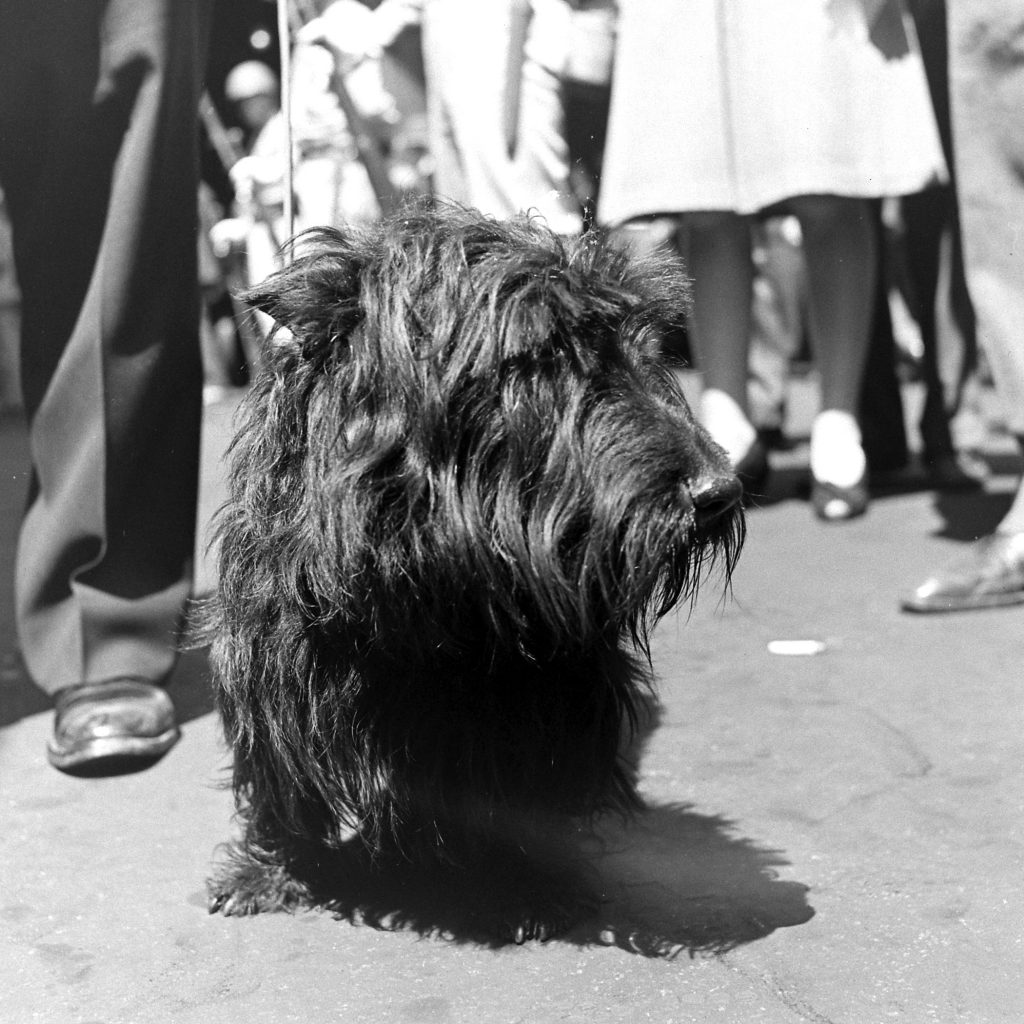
739 104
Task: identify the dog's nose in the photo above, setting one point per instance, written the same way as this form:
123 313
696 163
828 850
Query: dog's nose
714 496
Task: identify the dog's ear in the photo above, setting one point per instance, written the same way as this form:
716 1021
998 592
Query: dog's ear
316 296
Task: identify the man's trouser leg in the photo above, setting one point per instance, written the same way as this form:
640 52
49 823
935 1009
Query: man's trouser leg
97 157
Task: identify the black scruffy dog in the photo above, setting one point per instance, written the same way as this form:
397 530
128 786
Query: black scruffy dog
463 490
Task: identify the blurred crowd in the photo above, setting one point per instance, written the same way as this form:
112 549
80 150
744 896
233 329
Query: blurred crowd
798 159
797 155
841 177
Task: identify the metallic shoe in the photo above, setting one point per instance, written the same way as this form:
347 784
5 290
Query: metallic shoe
110 727
990 575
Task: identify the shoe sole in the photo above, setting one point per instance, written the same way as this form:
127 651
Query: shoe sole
119 749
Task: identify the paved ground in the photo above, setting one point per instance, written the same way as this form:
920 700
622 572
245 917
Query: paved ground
834 838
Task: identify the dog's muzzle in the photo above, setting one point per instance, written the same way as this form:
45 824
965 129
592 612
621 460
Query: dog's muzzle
713 497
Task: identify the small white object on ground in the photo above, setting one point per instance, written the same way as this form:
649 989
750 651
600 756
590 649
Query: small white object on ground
795 647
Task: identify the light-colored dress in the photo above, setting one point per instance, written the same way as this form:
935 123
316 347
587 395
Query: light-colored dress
739 104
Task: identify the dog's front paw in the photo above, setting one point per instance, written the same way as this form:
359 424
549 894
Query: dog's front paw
222 900
537 925
244 885
534 900
538 917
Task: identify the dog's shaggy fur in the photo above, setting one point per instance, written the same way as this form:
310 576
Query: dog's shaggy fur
463 490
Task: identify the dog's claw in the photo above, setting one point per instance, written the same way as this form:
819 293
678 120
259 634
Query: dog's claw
220 904
231 904
533 930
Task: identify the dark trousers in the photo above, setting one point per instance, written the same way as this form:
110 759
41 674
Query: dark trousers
98 161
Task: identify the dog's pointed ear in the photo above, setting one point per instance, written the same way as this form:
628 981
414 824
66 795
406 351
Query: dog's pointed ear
315 297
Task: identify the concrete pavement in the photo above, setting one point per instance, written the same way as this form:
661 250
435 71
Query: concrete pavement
832 838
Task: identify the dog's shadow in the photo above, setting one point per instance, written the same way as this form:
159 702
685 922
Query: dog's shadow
678 881
671 881
675 880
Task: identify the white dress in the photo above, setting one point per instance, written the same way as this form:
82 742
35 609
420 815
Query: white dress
739 104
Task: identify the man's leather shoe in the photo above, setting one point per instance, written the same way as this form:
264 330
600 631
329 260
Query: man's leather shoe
111 726
991 575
